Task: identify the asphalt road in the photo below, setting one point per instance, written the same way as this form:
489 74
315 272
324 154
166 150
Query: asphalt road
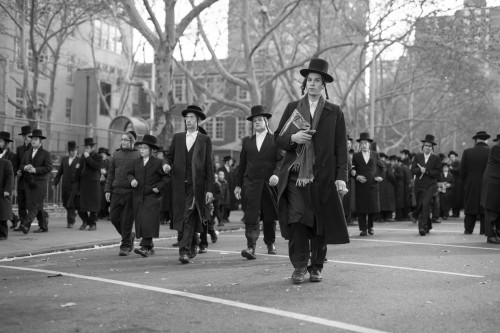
394 281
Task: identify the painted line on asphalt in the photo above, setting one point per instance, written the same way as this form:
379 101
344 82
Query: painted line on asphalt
430 244
245 306
349 263
416 230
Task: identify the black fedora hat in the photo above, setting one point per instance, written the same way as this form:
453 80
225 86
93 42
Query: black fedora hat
430 139
482 135
258 110
26 130
382 154
393 158
405 151
103 150
227 158
194 109
149 140
349 138
497 138
452 152
319 66
72 145
5 136
364 136
88 142
37 133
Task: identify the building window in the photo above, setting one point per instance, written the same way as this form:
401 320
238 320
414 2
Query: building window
177 124
219 128
19 100
243 94
241 125
43 57
107 36
106 91
69 102
209 127
179 90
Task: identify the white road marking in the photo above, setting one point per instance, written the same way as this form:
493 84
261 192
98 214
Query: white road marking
351 263
281 313
430 244
414 230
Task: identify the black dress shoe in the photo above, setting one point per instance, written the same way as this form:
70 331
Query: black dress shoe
493 240
271 249
298 275
214 237
194 251
248 253
70 226
142 251
124 252
202 250
315 276
92 228
83 226
467 232
363 233
184 259
23 229
421 232
40 231
370 231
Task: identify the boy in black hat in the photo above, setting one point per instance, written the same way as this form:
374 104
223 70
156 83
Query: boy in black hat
36 167
7 154
426 167
69 171
90 186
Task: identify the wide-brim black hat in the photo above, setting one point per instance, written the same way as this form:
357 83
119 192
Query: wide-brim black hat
149 140
37 133
5 136
88 142
497 138
72 145
452 153
430 139
482 135
405 151
364 136
383 155
103 150
194 109
227 158
26 130
319 66
258 110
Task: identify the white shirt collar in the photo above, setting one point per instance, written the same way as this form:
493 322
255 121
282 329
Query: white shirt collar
263 133
193 134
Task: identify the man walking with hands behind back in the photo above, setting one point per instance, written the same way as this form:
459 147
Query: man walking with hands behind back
312 173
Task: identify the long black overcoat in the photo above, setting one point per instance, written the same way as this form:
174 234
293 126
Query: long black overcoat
6 185
90 185
330 164
399 175
36 184
256 167
14 160
472 168
70 175
490 192
456 193
146 202
387 190
203 176
408 185
367 193
20 151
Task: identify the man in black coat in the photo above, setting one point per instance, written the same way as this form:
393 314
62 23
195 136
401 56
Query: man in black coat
229 176
472 166
36 167
8 155
21 194
90 186
426 167
257 174
456 199
69 172
369 173
313 172
104 207
190 160
6 187
490 194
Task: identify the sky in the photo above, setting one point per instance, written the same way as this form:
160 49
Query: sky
214 20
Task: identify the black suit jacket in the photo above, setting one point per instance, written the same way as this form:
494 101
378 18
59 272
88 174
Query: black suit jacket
490 192
432 170
14 160
70 175
20 151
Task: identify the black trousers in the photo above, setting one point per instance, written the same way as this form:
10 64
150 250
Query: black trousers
4 229
188 236
363 223
70 215
122 216
470 223
304 245
424 196
147 243
21 203
491 223
252 233
88 218
208 229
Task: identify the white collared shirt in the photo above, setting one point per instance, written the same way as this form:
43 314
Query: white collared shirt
70 160
366 156
312 107
145 161
190 139
426 158
259 138
3 153
34 153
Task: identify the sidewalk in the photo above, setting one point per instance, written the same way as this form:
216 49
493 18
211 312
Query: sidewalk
60 238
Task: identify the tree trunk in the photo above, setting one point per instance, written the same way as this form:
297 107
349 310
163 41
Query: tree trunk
163 88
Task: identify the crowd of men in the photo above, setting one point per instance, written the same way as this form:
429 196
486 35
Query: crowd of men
305 175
